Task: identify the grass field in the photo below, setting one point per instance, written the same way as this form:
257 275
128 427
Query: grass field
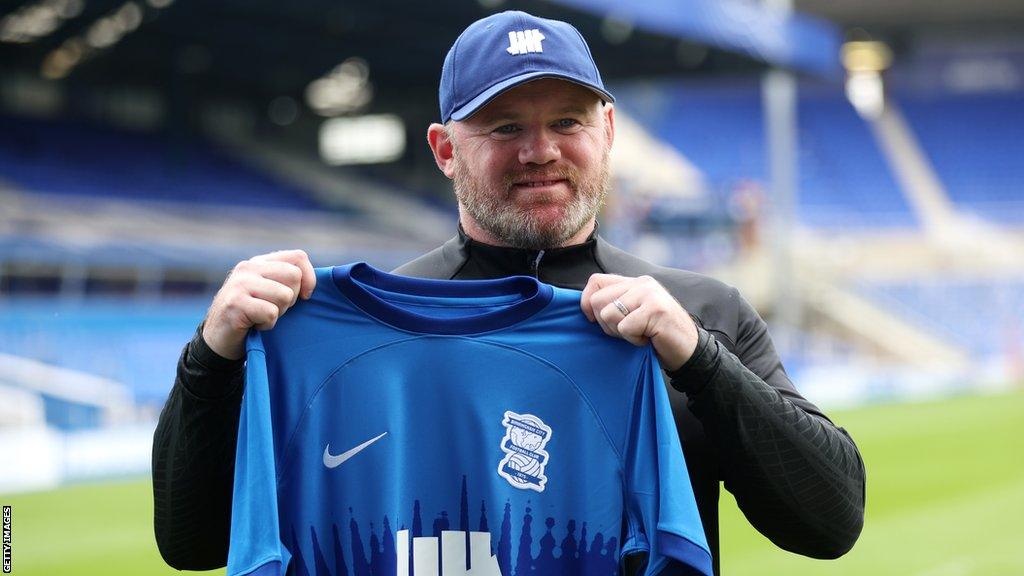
945 498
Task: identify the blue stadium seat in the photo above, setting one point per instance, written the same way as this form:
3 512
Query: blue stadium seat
135 344
719 126
976 146
76 159
985 317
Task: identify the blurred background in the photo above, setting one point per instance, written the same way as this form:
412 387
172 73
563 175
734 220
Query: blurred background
855 167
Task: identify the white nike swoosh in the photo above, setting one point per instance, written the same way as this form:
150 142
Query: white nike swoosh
335 461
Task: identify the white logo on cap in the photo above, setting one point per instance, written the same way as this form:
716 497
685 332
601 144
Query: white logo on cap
524 42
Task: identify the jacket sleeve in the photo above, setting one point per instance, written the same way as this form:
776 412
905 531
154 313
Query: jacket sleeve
797 477
194 459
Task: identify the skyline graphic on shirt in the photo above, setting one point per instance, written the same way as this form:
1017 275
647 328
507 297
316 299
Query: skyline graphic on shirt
525 555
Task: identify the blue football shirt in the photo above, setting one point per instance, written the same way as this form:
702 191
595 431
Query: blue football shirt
398 426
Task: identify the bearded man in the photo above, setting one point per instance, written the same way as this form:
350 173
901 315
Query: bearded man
525 134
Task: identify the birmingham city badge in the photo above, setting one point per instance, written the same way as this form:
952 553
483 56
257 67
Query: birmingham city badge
525 458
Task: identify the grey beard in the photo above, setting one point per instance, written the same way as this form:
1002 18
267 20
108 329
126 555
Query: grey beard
518 228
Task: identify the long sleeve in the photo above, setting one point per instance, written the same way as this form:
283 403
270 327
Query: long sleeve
798 478
193 459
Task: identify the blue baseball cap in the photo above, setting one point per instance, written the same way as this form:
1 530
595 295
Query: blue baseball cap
504 50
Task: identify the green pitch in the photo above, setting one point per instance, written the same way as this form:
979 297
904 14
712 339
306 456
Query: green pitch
945 495
86 530
945 498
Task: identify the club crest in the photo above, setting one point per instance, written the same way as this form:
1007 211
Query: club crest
525 458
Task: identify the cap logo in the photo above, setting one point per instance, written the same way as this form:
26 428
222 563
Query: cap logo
524 42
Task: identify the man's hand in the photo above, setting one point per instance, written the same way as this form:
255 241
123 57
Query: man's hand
256 293
648 314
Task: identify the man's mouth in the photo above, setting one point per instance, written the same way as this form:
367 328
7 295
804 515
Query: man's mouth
539 183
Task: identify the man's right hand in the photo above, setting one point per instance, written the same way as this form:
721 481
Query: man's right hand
256 293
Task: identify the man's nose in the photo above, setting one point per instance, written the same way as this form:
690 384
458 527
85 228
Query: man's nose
539 147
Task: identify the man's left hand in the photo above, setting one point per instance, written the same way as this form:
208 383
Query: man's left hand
640 310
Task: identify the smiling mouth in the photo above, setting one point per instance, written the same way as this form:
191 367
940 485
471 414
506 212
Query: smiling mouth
539 183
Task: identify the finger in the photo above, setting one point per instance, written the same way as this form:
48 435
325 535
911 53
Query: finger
272 291
632 296
285 273
607 295
308 277
293 256
300 259
631 299
595 283
609 318
262 314
636 326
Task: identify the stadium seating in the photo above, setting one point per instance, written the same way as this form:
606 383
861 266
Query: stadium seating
972 141
77 159
135 344
718 127
844 180
985 317
975 145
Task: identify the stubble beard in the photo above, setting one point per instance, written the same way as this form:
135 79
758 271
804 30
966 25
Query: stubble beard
514 225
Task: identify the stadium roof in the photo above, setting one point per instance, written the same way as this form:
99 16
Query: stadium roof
262 49
918 13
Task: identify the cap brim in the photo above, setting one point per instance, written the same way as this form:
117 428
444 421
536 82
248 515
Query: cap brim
493 92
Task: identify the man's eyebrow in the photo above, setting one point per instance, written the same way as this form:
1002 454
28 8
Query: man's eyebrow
574 109
498 114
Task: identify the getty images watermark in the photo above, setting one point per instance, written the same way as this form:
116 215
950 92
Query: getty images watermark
7 539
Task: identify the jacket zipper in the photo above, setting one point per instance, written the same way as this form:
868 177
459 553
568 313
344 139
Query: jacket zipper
535 264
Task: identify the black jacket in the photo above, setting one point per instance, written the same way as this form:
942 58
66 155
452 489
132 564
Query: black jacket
798 478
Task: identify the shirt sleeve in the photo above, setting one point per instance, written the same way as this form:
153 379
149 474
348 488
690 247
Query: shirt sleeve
255 548
194 459
662 519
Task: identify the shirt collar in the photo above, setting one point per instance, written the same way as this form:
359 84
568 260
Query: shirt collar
569 267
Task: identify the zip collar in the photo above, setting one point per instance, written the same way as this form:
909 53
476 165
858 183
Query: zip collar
569 267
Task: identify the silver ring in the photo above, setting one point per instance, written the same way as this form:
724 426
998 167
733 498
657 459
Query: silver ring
621 307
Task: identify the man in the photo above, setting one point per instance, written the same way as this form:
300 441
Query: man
526 129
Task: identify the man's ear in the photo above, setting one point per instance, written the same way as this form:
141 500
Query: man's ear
441 145
609 124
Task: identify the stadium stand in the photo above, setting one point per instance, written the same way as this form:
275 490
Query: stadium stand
78 159
844 180
983 316
134 344
983 179
717 126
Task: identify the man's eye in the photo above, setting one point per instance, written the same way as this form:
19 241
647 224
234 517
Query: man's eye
507 129
567 123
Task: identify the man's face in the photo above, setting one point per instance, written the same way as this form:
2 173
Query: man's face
531 168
